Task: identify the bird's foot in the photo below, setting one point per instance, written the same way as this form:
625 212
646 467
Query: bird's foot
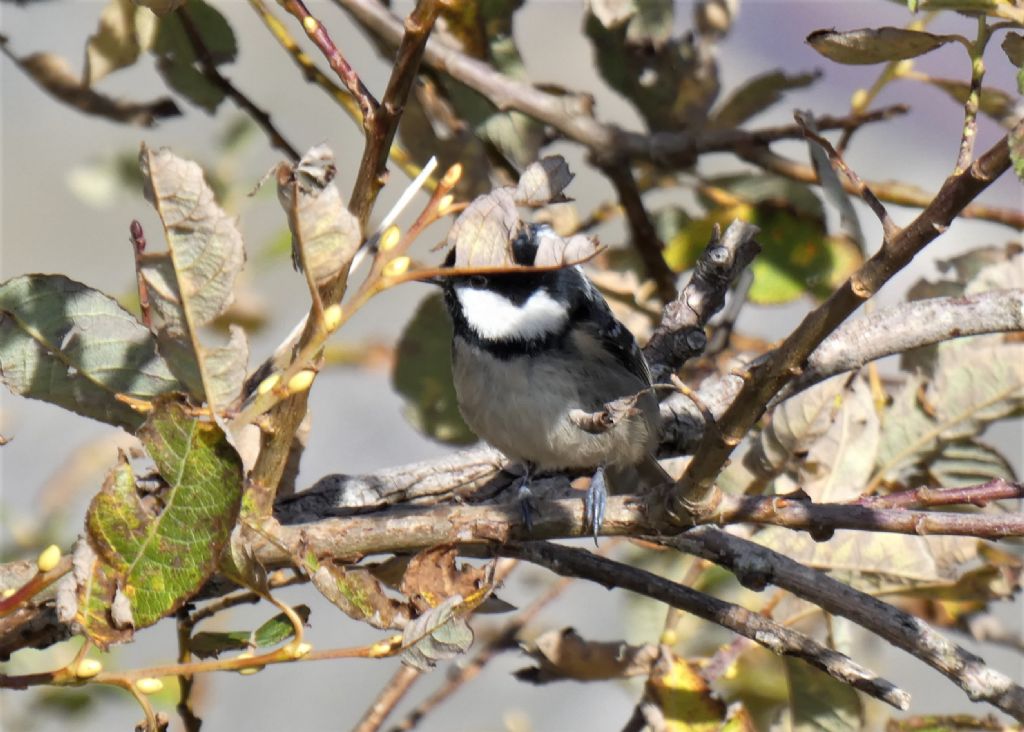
524 496
595 502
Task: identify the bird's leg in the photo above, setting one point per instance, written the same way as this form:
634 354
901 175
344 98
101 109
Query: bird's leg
524 495
596 501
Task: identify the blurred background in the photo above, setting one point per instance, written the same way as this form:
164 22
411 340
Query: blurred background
67 200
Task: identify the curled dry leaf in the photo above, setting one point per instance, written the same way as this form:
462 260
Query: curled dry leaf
357 593
432 576
543 182
192 283
874 45
53 74
325 235
483 233
563 654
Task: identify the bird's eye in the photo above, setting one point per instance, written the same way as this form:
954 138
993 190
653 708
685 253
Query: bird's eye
478 281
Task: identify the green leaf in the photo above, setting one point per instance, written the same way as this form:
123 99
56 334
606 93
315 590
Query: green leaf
423 375
357 593
161 557
276 630
193 281
279 628
819 703
210 644
874 45
67 344
756 95
177 62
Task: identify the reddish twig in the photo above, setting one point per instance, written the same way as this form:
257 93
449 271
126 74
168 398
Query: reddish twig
319 35
971 495
889 227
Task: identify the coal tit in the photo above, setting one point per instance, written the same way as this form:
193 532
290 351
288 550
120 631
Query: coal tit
533 350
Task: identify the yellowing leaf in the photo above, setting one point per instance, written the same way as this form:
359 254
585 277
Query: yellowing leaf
159 556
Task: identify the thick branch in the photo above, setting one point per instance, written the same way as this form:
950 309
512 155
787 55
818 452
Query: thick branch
572 562
680 335
908 326
756 566
694 489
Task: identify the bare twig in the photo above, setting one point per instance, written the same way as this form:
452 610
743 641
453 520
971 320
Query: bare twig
693 493
314 75
971 495
572 562
382 125
889 227
211 72
680 335
645 238
756 566
319 35
908 326
901 194
396 688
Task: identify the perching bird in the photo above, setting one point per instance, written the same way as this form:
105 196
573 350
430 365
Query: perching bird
534 355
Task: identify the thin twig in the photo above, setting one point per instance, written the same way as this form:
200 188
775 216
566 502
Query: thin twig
901 194
645 238
396 688
503 640
321 38
314 75
889 227
757 566
211 72
693 493
572 562
382 126
981 495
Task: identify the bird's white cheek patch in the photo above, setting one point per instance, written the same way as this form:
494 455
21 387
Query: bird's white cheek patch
495 317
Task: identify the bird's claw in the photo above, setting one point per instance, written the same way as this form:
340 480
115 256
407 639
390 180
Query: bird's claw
595 502
527 507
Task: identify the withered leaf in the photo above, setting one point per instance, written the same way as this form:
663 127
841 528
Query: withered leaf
53 74
563 654
432 577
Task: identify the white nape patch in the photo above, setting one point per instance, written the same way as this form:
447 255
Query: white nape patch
495 317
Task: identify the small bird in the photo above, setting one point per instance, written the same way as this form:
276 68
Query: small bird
534 354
